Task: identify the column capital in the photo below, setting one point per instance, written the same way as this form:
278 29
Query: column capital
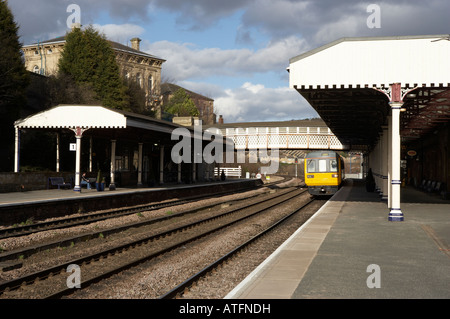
395 92
79 131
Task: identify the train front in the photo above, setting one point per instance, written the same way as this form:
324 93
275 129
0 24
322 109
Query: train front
323 172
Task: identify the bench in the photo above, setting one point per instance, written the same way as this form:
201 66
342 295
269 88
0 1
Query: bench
59 181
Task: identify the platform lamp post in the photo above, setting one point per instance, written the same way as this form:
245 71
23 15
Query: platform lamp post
396 94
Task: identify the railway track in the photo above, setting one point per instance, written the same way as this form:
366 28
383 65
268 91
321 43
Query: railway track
54 276
184 287
71 221
25 252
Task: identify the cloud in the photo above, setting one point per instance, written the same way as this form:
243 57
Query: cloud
254 102
39 21
44 19
119 32
186 61
201 13
316 21
323 21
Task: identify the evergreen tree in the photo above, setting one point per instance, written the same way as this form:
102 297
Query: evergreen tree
14 80
89 59
137 98
181 104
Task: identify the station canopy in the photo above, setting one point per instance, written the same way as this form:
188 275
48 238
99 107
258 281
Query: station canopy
346 82
100 118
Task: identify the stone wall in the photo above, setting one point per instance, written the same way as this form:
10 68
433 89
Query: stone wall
28 181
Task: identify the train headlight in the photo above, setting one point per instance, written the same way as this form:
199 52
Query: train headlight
310 176
335 175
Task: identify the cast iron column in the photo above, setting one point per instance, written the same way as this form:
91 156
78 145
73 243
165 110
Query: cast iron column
78 135
396 213
112 184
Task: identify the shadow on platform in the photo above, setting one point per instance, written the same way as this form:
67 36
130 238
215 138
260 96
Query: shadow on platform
409 194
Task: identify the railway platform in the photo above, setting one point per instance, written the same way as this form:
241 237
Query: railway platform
18 207
349 250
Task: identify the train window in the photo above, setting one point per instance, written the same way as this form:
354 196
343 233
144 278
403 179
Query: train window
311 166
323 165
333 165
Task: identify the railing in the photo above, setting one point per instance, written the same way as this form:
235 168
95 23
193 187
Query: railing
284 138
229 171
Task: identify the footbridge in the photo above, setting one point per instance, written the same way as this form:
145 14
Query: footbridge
287 135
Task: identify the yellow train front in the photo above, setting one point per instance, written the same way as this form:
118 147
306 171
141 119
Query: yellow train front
324 172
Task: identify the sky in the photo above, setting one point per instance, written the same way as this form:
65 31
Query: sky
234 51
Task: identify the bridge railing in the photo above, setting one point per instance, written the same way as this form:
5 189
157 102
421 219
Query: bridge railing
229 171
284 138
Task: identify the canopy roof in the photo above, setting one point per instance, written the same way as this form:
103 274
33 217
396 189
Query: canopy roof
108 121
91 116
374 61
338 80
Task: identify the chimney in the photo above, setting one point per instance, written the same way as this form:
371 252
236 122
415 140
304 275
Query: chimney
220 119
75 25
135 43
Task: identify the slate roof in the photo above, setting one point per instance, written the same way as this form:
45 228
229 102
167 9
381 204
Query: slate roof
114 45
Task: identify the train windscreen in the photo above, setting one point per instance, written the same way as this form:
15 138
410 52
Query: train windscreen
321 165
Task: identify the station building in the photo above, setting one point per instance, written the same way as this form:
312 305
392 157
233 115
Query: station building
390 98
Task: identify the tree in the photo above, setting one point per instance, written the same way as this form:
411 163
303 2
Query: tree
137 98
89 59
14 80
63 89
181 104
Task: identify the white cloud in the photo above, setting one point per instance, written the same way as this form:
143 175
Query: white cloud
251 101
185 61
254 102
254 88
346 27
119 32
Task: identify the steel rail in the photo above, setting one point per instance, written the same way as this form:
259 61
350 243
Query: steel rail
181 288
23 230
28 251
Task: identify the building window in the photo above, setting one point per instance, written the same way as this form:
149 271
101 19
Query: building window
138 79
36 69
150 84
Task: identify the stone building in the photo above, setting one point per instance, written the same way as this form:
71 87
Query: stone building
144 68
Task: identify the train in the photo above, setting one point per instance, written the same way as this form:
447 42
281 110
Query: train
324 172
